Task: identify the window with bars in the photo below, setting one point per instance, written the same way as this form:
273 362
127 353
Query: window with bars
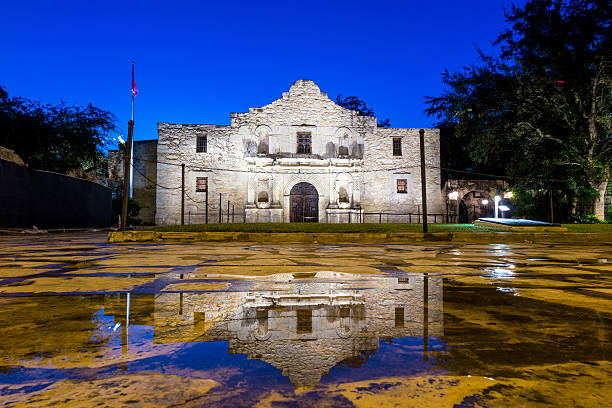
397 146
402 186
201 184
304 321
201 144
304 143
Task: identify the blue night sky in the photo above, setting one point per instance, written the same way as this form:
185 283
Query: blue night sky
198 61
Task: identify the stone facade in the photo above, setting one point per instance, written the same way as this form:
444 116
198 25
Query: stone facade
256 162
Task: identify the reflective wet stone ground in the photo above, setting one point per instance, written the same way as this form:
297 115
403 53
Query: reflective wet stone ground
85 323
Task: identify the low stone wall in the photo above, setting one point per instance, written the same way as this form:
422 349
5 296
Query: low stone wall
363 238
50 200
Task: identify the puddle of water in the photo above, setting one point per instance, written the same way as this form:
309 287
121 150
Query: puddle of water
324 338
300 340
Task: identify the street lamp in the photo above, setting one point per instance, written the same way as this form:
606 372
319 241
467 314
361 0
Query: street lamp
484 202
497 200
508 195
454 196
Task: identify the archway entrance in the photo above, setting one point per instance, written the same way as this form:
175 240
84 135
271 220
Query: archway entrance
304 203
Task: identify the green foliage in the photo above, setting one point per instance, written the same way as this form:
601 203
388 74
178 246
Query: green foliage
540 112
535 204
133 210
356 104
587 219
54 137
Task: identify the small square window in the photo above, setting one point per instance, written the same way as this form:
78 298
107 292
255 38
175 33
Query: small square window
304 143
201 144
402 186
201 184
397 146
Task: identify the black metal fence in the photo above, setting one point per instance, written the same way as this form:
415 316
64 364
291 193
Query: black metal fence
392 218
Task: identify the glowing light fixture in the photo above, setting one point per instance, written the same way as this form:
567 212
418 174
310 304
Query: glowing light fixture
454 195
508 195
497 200
504 208
484 202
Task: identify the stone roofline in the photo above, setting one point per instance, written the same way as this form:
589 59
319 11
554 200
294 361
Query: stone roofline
190 125
381 129
300 89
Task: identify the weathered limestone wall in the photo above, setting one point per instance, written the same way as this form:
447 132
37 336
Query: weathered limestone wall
144 184
223 164
382 169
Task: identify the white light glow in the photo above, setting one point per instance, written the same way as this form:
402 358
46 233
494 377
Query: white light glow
485 202
454 195
508 195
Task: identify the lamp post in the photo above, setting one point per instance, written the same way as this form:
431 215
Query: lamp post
485 202
497 200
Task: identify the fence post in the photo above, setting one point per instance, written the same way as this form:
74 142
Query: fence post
220 213
127 160
380 217
232 213
228 204
183 194
207 201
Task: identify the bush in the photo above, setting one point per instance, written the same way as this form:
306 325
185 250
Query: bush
133 210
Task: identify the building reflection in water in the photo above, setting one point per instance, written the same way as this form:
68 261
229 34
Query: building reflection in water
302 327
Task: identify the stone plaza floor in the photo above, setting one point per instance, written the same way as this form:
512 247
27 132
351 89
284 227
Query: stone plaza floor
87 323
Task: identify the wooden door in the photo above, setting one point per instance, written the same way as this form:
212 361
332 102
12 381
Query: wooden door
304 203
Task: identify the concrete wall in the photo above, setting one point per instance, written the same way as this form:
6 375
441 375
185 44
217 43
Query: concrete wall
50 200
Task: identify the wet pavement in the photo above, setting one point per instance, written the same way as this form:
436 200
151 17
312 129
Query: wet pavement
86 323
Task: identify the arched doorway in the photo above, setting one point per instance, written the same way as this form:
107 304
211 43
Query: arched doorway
304 203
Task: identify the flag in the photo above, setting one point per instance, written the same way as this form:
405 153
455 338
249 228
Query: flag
134 91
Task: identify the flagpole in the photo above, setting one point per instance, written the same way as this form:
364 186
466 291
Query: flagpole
127 162
132 91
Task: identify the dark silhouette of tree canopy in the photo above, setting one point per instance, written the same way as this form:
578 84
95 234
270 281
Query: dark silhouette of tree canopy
356 104
54 137
540 113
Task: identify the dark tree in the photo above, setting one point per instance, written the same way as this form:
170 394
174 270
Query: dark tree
356 104
540 112
54 137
